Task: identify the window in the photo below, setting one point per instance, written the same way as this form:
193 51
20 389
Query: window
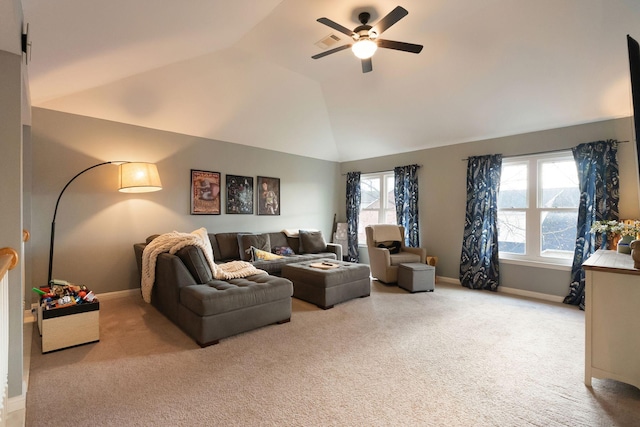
538 208
377 203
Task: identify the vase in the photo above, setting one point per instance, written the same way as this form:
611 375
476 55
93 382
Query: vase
623 244
635 253
611 241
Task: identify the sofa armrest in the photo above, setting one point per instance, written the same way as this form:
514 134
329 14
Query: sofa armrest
418 251
171 276
380 264
138 248
336 249
379 257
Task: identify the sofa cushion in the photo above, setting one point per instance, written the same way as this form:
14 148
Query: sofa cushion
218 296
404 258
214 246
195 261
312 242
294 243
150 238
228 244
258 241
278 239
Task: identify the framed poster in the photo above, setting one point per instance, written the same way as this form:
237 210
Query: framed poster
239 194
205 192
268 196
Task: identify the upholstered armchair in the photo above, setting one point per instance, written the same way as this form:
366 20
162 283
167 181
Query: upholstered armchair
382 240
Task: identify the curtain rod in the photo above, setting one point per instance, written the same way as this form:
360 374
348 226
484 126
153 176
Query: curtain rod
539 152
365 173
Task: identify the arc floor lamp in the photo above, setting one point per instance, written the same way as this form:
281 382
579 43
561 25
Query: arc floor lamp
134 177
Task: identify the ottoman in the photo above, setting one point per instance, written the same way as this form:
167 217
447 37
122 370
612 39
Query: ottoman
416 277
325 286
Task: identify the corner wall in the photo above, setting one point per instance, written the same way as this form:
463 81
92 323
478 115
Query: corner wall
11 159
97 225
442 197
11 205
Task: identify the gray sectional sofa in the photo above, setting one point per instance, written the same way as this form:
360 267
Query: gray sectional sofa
208 309
307 246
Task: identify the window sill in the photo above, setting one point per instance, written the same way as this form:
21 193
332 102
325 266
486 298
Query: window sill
560 265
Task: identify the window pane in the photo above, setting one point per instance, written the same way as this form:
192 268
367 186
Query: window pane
377 204
559 182
370 193
366 218
513 186
558 231
391 199
512 232
390 217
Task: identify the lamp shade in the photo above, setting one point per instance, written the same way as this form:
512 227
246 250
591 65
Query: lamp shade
364 48
136 177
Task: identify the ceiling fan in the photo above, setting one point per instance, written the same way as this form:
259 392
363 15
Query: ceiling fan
365 37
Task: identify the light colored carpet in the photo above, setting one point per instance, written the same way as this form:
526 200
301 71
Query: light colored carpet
454 357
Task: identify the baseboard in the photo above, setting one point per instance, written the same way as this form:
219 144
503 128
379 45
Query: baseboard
450 280
531 294
511 291
119 294
18 403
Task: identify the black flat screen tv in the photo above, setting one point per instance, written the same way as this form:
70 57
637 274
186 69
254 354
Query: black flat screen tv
634 68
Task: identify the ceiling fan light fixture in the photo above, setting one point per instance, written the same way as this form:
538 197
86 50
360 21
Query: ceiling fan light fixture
364 48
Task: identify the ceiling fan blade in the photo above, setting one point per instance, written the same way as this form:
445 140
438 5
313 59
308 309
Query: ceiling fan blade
405 47
394 16
329 52
329 23
367 65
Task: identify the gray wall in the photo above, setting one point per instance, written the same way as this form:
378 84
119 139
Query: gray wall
442 181
97 225
11 203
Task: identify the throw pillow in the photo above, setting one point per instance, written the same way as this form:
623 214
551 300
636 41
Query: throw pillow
193 258
312 242
258 241
283 250
393 246
257 254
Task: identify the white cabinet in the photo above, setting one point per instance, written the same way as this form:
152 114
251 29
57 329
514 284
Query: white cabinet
612 318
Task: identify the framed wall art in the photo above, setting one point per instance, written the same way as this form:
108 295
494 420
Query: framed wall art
268 190
239 194
205 192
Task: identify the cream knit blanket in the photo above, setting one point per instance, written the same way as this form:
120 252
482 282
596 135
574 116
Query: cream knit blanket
173 242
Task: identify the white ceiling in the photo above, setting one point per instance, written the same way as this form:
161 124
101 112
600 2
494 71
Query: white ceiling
241 71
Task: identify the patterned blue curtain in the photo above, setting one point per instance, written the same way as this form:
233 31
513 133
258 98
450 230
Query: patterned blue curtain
353 211
479 268
406 195
597 165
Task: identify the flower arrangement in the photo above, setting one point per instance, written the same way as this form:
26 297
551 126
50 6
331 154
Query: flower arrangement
624 228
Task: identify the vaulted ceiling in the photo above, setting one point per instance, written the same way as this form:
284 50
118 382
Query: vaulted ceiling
241 71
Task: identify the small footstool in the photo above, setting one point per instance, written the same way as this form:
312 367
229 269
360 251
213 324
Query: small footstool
325 286
416 277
